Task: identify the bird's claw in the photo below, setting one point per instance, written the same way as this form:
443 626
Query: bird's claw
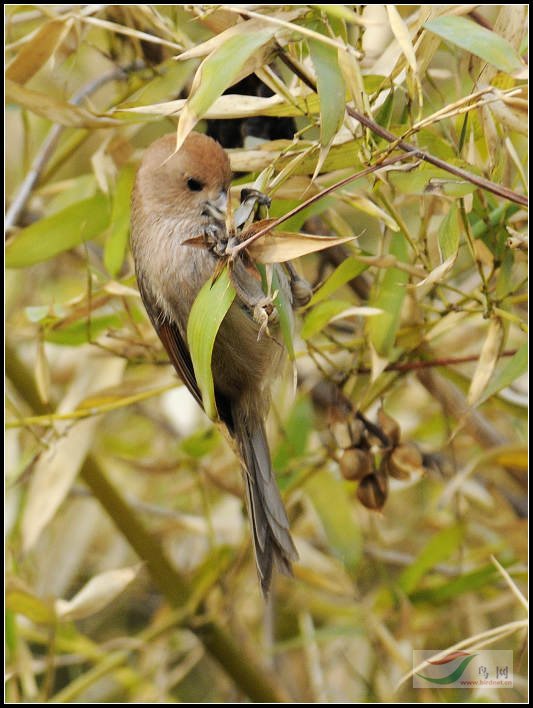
251 199
265 313
216 239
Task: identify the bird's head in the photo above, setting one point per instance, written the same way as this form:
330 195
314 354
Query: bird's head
191 183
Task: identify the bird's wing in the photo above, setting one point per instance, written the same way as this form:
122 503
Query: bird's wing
178 352
174 343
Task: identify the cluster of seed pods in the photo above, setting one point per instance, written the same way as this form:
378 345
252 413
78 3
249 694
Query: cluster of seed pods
371 454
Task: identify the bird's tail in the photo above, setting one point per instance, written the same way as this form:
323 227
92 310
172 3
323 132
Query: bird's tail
270 526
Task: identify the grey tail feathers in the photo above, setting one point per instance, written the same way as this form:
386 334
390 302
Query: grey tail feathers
273 544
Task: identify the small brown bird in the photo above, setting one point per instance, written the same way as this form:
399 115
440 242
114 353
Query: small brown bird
178 196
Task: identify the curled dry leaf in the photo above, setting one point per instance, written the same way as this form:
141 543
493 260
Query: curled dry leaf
96 594
281 246
487 360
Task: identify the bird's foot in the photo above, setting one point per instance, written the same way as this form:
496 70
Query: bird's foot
265 313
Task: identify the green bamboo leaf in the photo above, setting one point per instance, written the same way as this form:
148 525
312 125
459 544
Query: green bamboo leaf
515 367
209 309
449 234
389 297
477 40
284 308
59 232
200 443
439 548
83 331
117 241
218 71
346 271
340 12
320 315
469 582
297 429
22 602
384 113
332 503
294 223
331 91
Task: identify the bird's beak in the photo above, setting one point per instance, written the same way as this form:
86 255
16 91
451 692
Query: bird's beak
217 208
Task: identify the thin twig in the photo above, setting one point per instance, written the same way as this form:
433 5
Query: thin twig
430 363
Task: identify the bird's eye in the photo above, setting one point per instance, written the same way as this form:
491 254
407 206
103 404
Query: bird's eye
194 185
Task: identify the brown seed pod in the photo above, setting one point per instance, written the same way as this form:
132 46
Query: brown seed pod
404 461
373 490
355 464
357 431
389 426
341 432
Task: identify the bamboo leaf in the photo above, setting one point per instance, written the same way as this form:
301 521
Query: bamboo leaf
37 50
117 241
439 548
357 312
57 467
488 359
319 316
56 110
82 331
281 246
223 67
448 237
346 271
57 233
296 431
23 602
343 12
331 92
208 311
330 499
446 591
367 206
449 233
400 31
477 40
513 369
389 297
96 594
286 318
